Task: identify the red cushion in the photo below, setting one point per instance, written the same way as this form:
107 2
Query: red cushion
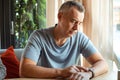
11 62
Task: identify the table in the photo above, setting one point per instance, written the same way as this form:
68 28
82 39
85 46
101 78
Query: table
107 76
110 75
31 79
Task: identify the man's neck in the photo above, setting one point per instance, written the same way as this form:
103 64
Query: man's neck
58 37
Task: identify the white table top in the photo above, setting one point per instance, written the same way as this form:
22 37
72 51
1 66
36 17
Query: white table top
112 74
106 76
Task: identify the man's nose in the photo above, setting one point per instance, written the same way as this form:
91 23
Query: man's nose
76 27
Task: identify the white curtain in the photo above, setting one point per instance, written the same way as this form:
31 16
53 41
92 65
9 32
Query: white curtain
98 25
52 10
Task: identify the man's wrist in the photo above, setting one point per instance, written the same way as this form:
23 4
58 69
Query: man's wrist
58 72
91 70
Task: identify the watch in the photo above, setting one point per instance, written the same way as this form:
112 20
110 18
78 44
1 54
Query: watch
92 71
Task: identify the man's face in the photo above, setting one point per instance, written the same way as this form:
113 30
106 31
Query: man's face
70 21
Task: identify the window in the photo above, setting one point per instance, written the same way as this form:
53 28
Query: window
116 26
116 31
18 20
29 15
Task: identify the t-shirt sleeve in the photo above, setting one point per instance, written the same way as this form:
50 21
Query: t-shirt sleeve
33 48
87 47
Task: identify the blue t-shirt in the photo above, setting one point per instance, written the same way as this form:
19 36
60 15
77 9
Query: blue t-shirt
42 49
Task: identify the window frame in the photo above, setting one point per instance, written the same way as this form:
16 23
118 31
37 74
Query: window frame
116 53
5 26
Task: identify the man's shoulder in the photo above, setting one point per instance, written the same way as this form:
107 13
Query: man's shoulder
80 34
42 33
42 30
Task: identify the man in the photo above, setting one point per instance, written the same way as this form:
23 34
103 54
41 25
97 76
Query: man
53 52
2 70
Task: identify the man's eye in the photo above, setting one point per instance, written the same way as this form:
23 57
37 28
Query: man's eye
73 21
80 23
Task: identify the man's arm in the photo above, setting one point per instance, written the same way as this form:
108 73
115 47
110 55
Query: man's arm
28 68
99 66
98 63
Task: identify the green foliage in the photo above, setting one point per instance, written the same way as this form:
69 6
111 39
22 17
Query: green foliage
30 15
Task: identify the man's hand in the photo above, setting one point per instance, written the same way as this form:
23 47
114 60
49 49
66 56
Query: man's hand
80 76
67 72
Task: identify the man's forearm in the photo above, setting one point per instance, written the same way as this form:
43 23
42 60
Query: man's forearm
39 72
99 68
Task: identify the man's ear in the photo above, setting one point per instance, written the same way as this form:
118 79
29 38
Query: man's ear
60 14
